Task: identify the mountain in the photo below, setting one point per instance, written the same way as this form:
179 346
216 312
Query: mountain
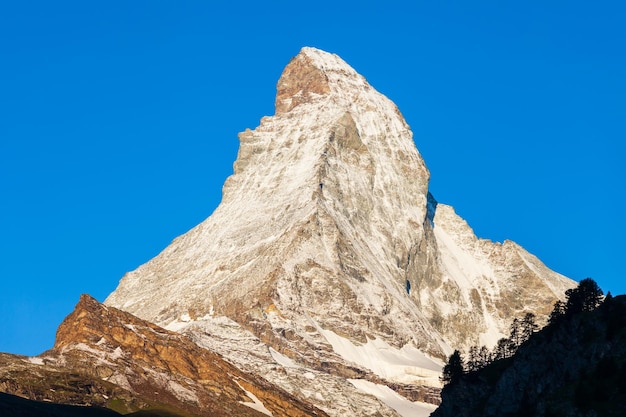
104 358
576 366
328 267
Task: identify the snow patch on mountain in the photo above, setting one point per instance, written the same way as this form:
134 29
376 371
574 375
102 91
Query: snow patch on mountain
405 365
404 407
256 404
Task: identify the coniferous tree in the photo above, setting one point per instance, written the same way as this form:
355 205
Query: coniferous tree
502 349
515 337
586 297
557 312
454 369
591 294
474 362
528 326
485 356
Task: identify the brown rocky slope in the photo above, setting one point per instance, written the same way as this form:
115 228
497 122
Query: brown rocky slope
108 358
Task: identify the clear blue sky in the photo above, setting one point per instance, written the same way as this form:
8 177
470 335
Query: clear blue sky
119 122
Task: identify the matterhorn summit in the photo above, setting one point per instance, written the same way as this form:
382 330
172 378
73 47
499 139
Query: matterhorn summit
328 267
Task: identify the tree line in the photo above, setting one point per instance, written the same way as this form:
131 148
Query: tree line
587 296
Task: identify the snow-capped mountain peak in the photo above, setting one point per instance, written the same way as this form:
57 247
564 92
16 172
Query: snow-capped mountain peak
327 252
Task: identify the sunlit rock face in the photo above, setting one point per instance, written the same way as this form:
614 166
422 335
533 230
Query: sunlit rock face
107 358
328 254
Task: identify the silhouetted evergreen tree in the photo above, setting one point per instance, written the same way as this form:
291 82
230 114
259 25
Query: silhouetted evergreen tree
503 349
474 363
485 356
515 335
586 297
478 358
592 294
557 312
454 369
528 326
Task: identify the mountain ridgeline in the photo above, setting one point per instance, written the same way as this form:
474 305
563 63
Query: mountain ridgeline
329 250
329 280
575 366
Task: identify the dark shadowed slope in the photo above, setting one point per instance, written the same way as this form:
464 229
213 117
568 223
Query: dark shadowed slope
576 366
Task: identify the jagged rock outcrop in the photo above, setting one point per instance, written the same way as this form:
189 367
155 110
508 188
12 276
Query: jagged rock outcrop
327 252
109 358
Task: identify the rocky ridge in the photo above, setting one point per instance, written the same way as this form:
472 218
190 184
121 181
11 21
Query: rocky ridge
328 256
108 358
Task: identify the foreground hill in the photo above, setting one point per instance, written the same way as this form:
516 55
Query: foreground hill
107 358
576 366
14 406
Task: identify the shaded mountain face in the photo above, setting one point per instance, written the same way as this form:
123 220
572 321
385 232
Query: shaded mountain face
14 406
329 256
107 358
574 367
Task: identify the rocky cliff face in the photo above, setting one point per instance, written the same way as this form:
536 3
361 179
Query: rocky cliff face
108 358
479 286
328 256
